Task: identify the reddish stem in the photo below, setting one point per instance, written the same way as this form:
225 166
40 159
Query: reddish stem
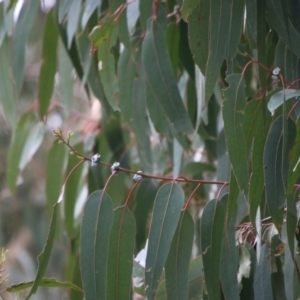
130 193
191 197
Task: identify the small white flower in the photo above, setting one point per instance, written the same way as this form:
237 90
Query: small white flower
95 160
276 71
115 167
137 177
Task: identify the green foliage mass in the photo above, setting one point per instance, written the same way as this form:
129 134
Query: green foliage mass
180 178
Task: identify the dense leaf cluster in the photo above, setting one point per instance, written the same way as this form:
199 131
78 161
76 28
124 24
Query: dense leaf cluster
203 96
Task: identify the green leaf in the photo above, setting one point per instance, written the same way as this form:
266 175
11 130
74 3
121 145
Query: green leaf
256 129
262 279
209 27
56 162
195 278
172 39
7 91
291 221
44 282
144 200
145 12
23 27
48 68
101 33
211 234
90 7
160 78
94 241
66 80
120 258
16 149
187 8
278 19
166 213
276 168
126 76
233 115
107 71
44 257
121 25
33 142
235 28
228 261
251 23
281 96
73 188
294 169
72 21
177 265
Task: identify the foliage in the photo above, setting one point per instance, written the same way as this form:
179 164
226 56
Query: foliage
183 183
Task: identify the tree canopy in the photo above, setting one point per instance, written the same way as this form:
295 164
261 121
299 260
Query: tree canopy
161 140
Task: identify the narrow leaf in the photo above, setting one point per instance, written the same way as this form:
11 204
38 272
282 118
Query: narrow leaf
44 282
262 279
48 68
33 142
120 258
66 80
276 168
279 20
94 241
211 234
107 71
90 7
44 257
159 76
281 96
228 261
166 213
72 21
16 149
23 27
233 114
56 163
177 265
7 91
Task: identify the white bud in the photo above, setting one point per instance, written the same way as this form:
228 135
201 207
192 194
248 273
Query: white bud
115 167
137 177
95 160
276 71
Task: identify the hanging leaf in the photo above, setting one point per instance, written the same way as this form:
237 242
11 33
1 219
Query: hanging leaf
211 234
44 257
228 260
177 264
107 70
90 7
210 24
276 168
120 257
66 80
262 279
281 96
94 240
7 91
279 20
166 213
72 21
16 149
23 27
56 162
233 114
48 68
187 8
160 78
